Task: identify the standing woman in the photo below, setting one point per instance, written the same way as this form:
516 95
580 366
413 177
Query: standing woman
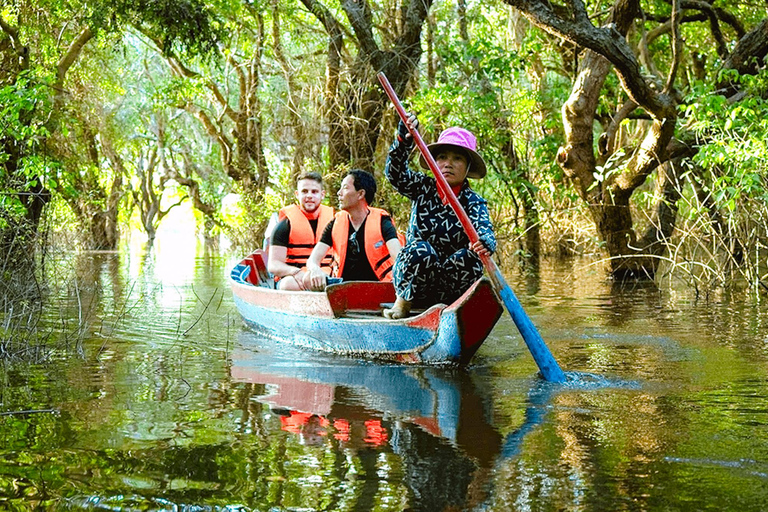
438 264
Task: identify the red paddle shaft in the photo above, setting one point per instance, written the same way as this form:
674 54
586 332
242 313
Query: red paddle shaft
550 370
442 184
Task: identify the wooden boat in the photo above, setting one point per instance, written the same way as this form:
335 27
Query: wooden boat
346 319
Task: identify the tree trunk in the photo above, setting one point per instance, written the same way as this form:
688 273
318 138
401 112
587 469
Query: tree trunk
356 107
606 181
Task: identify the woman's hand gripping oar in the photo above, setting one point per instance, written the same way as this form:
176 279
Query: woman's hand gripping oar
549 368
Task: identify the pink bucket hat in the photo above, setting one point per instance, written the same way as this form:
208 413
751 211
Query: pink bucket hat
453 138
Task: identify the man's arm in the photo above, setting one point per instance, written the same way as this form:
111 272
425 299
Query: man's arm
277 265
315 278
278 250
394 247
389 232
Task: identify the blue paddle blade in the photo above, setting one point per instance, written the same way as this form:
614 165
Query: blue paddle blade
547 364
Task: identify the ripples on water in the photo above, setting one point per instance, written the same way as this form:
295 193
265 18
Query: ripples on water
172 404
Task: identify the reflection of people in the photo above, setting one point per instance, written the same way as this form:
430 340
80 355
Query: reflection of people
363 238
438 263
298 230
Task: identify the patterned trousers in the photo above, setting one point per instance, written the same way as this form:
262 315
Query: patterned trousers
422 277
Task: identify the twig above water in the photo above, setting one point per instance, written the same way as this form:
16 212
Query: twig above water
204 309
29 411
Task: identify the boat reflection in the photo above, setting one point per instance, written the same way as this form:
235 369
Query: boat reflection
437 420
366 403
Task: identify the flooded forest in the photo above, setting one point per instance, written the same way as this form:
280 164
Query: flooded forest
144 147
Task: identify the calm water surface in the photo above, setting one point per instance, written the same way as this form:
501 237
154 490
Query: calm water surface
164 401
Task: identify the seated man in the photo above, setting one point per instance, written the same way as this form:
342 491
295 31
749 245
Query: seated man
364 239
298 230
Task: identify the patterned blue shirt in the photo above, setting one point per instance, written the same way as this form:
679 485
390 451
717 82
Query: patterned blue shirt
431 220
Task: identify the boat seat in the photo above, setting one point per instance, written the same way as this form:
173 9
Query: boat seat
259 275
359 296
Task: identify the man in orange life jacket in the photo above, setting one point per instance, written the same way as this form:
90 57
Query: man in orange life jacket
298 230
364 239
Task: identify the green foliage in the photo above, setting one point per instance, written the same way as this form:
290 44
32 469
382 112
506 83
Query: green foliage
726 206
22 133
733 137
185 27
503 91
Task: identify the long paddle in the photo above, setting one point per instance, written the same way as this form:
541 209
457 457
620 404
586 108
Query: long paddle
549 368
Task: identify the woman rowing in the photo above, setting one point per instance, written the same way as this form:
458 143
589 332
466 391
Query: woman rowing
438 263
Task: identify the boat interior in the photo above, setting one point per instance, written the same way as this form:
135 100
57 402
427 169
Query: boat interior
354 299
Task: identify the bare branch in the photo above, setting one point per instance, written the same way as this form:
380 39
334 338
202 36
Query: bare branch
714 23
580 12
651 153
71 55
607 141
359 15
335 48
750 50
608 42
707 13
645 56
677 47
193 188
241 78
216 133
162 213
720 13
13 33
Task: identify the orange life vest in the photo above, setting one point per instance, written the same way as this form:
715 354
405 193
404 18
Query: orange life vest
375 246
301 239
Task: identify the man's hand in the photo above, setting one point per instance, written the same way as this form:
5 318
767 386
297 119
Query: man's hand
314 279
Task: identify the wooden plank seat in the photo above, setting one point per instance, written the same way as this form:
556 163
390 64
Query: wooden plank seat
259 275
359 296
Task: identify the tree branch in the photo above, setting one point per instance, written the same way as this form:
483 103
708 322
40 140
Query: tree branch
335 48
359 15
71 55
607 140
677 47
750 50
218 135
12 31
608 42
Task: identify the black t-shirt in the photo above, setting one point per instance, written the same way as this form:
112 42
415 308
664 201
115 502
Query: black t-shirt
356 266
283 230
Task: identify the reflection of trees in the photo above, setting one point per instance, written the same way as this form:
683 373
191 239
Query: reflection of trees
593 450
437 475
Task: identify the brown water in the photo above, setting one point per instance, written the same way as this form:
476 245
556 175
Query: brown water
165 402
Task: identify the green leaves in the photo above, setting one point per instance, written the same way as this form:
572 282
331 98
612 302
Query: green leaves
19 104
185 27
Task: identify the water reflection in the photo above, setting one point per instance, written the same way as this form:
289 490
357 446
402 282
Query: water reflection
172 405
434 421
